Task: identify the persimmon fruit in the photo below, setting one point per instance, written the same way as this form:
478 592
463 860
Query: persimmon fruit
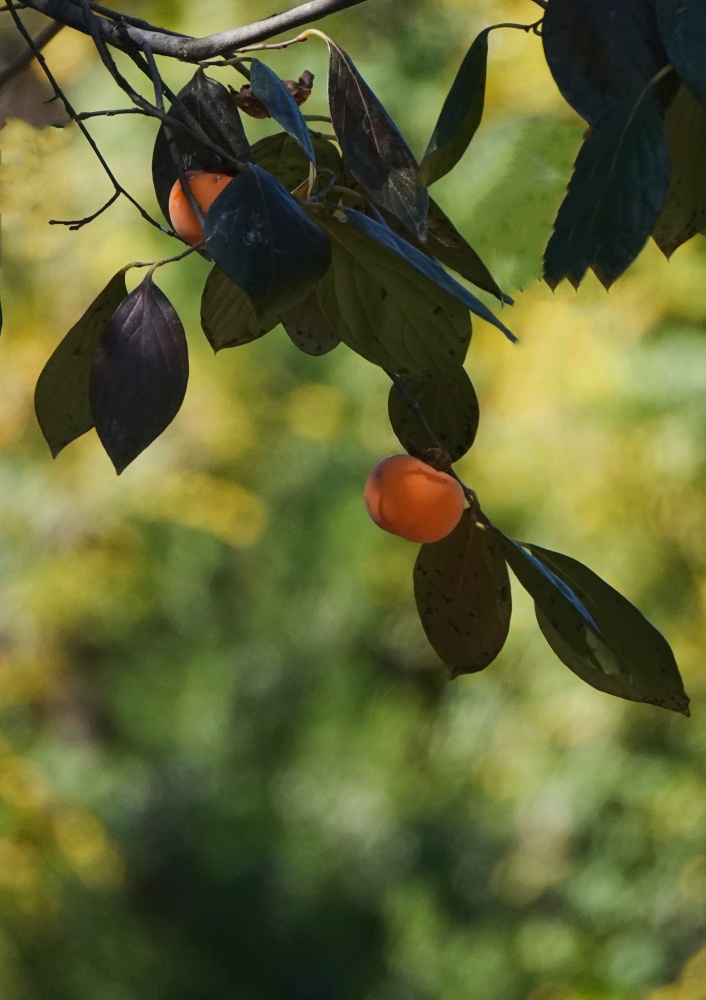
407 497
205 188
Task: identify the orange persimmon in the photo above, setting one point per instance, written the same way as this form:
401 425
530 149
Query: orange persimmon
205 188
407 497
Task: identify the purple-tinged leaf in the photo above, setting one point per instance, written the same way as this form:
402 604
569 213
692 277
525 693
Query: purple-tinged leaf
259 236
372 146
462 590
215 111
267 87
139 373
61 399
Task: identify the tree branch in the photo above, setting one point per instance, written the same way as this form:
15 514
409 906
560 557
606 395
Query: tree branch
123 33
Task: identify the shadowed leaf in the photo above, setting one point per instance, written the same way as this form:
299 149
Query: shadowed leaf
139 373
648 669
389 312
449 406
259 236
214 109
228 316
619 185
306 324
601 52
462 591
684 211
460 115
682 26
595 631
444 242
280 155
372 146
61 399
267 87
426 266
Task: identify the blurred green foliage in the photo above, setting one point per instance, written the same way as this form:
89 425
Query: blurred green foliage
230 765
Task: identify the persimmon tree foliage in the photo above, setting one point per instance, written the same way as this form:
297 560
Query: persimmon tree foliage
329 230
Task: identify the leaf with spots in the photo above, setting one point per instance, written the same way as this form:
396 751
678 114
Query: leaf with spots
139 373
61 399
450 408
462 590
595 631
387 311
426 266
306 324
228 317
372 146
684 211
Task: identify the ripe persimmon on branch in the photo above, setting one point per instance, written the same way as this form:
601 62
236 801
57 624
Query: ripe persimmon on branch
334 236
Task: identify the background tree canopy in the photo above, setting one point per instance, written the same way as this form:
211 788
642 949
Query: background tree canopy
231 765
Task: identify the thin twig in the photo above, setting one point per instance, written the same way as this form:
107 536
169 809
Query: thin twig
159 263
28 57
110 113
80 223
273 45
71 112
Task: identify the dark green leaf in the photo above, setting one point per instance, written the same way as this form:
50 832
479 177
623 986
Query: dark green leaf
268 88
216 113
307 326
619 185
374 150
462 591
259 236
426 266
228 316
280 155
682 25
648 671
460 116
684 211
444 242
593 630
389 312
601 52
139 373
61 399
450 408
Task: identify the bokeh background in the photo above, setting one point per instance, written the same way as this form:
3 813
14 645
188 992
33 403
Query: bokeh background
230 765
